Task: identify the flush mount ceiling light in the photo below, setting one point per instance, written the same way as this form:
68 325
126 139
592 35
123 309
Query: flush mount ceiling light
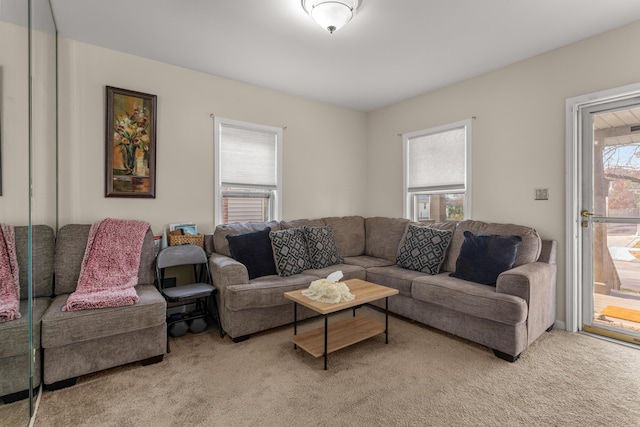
331 14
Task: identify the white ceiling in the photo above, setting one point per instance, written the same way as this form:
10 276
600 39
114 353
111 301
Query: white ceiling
392 50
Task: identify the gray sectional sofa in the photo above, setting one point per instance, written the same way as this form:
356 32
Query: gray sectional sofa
73 343
14 351
506 317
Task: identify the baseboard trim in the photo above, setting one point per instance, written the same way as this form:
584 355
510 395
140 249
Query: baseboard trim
559 324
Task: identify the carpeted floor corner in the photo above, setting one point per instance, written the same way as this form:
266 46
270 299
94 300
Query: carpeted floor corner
422 377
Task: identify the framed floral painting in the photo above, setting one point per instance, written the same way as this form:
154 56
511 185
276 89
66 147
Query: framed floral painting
130 144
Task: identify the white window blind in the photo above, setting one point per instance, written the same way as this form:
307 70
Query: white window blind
248 157
437 161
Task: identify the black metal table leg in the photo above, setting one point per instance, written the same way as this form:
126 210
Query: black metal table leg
386 320
295 322
326 331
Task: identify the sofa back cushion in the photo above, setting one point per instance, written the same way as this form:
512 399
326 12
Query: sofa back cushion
483 257
43 252
254 251
297 223
70 247
423 248
529 249
290 251
383 236
349 234
220 242
321 247
445 225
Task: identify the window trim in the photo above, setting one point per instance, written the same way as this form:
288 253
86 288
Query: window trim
219 122
408 196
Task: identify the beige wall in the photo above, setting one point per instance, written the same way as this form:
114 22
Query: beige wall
518 134
317 135
14 124
43 121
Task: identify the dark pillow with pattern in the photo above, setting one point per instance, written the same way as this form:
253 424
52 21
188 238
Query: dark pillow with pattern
254 251
321 244
290 251
423 249
484 256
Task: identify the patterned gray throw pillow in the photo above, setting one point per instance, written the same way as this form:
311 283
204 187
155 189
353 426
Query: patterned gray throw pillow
424 249
290 251
321 244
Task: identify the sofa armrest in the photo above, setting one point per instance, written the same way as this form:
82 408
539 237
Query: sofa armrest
226 271
536 284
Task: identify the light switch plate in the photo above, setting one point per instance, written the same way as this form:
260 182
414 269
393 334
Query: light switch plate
542 194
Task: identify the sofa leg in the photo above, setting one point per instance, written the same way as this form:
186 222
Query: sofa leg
505 356
550 328
61 384
152 360
241 338
14 397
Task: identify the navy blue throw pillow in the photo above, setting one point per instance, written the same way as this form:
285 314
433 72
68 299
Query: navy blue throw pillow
254 251
484 256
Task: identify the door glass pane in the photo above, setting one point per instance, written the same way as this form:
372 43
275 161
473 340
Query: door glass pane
615 229
616 169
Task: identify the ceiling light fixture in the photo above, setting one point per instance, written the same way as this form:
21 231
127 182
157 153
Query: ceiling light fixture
331 14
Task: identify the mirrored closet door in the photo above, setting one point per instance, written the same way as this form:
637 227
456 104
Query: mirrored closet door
28 164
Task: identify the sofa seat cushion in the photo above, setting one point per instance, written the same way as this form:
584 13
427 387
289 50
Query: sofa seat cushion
366 261
395 277
61 328
266 291
348 271
14 333
471 298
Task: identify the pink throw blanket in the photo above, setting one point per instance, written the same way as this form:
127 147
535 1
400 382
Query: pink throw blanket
9 279
110 265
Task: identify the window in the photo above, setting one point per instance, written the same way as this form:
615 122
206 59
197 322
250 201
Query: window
248 162
436 173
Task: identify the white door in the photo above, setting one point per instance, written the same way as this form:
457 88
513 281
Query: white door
610 218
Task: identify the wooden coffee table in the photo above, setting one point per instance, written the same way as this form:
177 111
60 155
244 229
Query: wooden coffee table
324 340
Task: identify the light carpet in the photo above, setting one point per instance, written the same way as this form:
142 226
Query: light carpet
422 377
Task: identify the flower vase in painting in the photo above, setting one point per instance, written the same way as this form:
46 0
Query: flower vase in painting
130 134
